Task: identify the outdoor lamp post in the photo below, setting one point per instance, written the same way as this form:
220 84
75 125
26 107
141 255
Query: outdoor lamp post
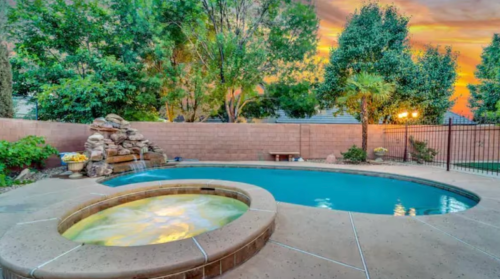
405 116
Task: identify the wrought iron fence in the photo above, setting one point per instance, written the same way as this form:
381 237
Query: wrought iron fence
456 143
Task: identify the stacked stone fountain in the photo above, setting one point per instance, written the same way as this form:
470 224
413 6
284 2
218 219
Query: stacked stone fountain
116 147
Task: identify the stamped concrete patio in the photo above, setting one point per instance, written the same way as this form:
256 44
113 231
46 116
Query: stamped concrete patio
320 243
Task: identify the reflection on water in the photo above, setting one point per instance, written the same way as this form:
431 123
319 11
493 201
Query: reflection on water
324 203
156 220
400 210
447 204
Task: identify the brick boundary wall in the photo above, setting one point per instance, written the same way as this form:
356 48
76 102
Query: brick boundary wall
223 141
63 136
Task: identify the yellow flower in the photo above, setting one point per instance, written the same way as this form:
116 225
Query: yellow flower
74 157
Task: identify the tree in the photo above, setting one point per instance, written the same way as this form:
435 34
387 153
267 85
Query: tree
362 91
6 106
82 59
434 81
485 95
184 81
246 41
375 41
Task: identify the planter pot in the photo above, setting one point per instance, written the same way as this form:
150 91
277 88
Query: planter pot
76 168
379 155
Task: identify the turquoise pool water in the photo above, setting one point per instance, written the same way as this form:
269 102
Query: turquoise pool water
340 191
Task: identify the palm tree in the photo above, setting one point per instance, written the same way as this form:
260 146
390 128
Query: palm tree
366 90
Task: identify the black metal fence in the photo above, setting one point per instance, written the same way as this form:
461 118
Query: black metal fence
455 144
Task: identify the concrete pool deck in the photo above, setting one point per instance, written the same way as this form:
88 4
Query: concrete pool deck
320 243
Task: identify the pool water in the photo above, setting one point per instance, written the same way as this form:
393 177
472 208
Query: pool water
156 220
340 191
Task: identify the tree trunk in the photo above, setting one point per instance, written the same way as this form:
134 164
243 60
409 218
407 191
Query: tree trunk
170 113
364 123
230 112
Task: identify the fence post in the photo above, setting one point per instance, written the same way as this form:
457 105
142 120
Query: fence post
405 156
448 156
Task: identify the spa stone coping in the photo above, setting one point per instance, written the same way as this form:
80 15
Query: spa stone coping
35 248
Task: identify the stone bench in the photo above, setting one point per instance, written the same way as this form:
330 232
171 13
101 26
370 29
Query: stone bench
289 154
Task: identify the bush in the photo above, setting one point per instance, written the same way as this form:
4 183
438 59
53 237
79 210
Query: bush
421 152
5 180
28 151
355 155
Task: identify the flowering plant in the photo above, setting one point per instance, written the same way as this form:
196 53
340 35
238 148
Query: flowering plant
74 157
380 149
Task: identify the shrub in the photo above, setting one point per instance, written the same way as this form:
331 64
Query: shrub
5 180
28 151
421 152
355 155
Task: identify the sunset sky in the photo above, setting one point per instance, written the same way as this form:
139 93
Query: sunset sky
466 25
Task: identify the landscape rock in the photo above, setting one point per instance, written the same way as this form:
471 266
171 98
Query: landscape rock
99 121
96 138
24 175
331 159
114 118
108 145
124 152
99 169
131 131
119 137
124 124
136 137
127 144
111 152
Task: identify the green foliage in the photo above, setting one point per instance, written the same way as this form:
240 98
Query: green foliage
85 58
295 99
355 155
375 41
362 92
31 150
243 44
485 96
5 179
421 153
81 59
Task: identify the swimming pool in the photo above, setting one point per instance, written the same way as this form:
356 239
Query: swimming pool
332 190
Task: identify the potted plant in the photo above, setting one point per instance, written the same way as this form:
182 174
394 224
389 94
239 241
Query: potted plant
380 153
75 162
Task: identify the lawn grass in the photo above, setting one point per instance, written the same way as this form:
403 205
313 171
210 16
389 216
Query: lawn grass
486 166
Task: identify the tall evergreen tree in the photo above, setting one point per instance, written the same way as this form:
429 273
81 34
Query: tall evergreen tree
375 41
486 94
6 106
